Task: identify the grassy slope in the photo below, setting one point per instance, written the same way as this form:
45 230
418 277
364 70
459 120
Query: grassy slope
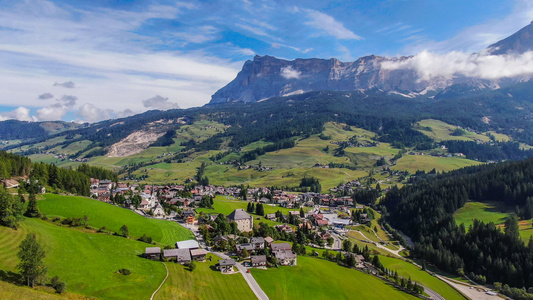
407 270
87 262
103 214
441 131
490 212
15 292
487 212
413 163
320 279
205 282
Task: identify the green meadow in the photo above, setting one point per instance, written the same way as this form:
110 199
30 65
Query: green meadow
491 212
205 282
103 214
315 278
406 270
413 163
87 262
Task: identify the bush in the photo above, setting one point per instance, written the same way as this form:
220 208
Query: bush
58 285
56 219
44 217
124 271
102 229
146 239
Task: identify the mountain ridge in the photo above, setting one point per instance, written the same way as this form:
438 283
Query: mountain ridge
265 77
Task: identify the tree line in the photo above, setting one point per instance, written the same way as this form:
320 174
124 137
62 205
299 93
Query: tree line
424 211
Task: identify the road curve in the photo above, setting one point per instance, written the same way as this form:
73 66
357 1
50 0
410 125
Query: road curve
248 277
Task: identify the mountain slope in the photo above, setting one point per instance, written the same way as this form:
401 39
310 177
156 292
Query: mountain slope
265 77
518 43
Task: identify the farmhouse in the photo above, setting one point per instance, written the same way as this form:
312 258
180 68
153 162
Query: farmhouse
285 257
259 260
239 248
243 219
280 247
153 253
226 266
198 254
258 243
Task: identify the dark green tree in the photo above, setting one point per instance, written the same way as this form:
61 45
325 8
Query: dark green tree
124 231
32 211
31 255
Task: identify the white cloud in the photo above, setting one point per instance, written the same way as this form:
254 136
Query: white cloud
57 110
91 113
45 96
430 65
21 114
330 26
160 103
111 63
279 45
289 73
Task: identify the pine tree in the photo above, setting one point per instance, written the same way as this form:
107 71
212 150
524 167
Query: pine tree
32 211
31 256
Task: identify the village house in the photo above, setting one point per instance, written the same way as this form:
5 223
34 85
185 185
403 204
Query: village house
280 247
183 256
198 254
240 248
286 257
153 253
226 266
270 217
258 261
269 241
258 243
242 218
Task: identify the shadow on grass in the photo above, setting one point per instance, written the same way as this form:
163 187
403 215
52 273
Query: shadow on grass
11 277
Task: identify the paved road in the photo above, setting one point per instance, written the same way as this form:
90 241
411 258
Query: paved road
254 286
248 277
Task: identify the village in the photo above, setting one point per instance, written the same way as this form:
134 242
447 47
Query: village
311 220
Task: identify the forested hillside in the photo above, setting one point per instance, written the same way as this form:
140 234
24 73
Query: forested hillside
424 211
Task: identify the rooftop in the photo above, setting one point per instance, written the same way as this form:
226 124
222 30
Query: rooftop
226 262
239 214
188 244
153 250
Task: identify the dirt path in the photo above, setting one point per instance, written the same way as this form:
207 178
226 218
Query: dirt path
161 285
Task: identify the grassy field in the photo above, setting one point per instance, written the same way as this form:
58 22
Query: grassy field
16 292
87 262
491 212
413 163
205 282
103 214
487 212
315 278
407 270
441 131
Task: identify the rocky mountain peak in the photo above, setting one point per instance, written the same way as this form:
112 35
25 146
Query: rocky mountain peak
518 43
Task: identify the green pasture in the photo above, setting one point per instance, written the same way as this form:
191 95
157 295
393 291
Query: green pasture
315 278
205 282
103 214
87 262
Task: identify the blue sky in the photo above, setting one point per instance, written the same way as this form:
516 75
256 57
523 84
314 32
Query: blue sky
92 60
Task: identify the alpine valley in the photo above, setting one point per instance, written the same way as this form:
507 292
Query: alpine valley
429 179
